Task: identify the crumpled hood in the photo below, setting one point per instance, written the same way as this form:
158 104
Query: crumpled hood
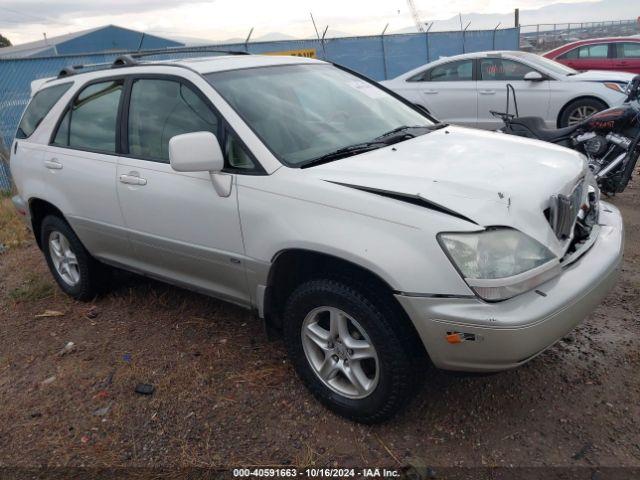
491 178
601 76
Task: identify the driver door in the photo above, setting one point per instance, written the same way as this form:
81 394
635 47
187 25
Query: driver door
493 76
180 229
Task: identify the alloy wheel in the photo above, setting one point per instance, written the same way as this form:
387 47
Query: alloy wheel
64 259
580 114
340 352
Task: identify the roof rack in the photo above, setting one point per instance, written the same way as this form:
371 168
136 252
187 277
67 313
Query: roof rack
131 59
189 50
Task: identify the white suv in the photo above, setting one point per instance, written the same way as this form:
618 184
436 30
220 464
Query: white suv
374 237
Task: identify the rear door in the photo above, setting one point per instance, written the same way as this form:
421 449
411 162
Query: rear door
26 156
627 57
80 167
494 75
448 91
180 228
596 56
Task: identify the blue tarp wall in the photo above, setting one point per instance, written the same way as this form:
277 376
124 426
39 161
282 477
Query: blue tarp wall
378 57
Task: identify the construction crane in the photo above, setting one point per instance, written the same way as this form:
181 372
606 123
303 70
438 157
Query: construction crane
414 14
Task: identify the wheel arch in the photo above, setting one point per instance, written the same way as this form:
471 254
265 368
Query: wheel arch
291 267
580 97
38 210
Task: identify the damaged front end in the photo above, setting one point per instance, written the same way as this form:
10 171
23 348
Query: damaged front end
574 217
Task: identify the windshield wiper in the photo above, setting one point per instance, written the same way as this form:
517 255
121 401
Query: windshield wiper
410 131
344 152
388 138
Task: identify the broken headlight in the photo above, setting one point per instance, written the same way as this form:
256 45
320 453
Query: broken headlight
500 263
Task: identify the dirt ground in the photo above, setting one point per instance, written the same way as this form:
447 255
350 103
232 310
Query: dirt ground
225 396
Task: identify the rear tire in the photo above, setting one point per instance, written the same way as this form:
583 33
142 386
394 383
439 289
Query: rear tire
579 110
368 387
77 273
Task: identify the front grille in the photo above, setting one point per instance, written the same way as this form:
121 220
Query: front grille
564 210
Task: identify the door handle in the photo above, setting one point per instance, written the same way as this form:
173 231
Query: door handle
53 164
487 92
133 180
430 92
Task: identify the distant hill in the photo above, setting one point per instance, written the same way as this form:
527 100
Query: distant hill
559 13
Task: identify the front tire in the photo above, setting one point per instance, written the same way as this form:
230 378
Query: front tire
579 110
350 349
76 272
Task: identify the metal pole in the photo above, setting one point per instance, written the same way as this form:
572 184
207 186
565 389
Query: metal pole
464 38
324 52
426 39
384 55
494 35
314 25
141 40
516 18
246 42
461 30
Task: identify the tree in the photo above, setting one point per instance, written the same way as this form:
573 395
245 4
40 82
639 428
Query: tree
4 41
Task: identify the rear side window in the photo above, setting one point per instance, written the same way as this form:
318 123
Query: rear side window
600 50
160 110
501 69
90 122
628 50
42 102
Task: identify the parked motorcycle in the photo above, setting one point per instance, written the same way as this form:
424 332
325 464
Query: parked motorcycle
610 138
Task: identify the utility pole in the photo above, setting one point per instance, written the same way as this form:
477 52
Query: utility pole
516 15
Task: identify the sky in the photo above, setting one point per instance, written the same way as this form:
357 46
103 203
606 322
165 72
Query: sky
26 20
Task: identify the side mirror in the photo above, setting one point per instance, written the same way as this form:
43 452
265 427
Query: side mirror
195 152
533 77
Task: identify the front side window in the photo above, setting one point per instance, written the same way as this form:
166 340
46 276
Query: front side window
460 71
91 121
570 55
502 69
160 110
423 76
42 102
302 112
628 50
237 157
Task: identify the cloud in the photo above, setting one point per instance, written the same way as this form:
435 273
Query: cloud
221 19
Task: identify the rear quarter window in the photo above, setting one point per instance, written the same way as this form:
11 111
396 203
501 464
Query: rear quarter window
41 103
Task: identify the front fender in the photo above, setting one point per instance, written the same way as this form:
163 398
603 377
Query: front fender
405 256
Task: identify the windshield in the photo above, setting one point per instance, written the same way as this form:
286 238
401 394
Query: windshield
304 112
548 64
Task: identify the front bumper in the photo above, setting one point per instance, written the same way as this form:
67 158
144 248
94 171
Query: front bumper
502 335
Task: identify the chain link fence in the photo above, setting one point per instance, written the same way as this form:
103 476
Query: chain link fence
5 177
547 36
